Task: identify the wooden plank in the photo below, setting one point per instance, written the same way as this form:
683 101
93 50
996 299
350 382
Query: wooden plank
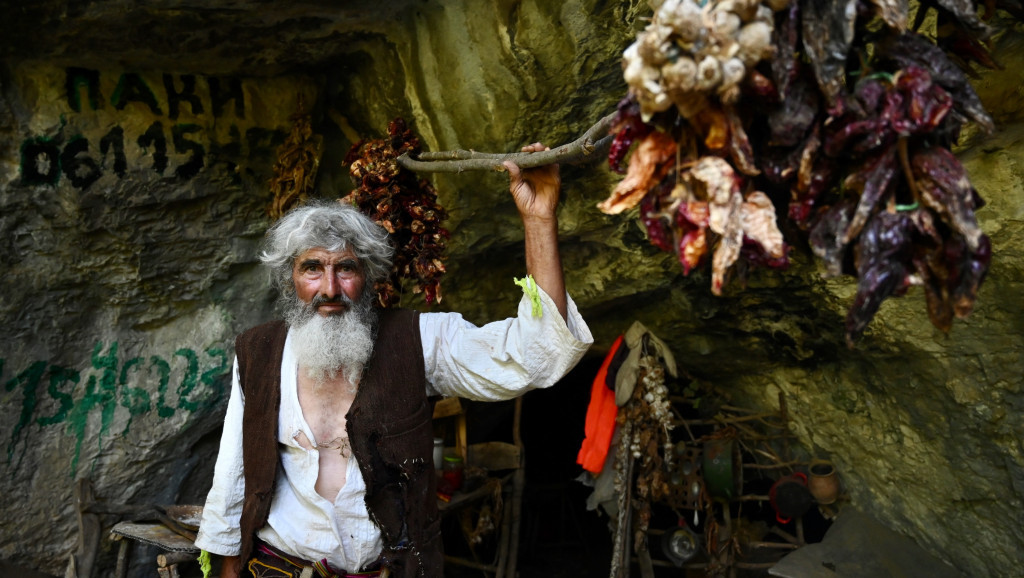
447 407
494 456
156 535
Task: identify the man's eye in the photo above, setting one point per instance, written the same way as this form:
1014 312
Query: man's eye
348 268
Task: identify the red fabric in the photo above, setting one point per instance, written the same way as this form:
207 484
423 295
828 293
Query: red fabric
600 423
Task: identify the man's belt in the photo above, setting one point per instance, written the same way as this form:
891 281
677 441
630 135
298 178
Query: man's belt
304 568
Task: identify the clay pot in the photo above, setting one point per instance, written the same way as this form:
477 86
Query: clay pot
823 482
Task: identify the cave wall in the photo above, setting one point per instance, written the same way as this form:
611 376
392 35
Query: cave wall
130 226
133 192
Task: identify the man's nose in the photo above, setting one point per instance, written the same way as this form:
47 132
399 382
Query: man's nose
329 285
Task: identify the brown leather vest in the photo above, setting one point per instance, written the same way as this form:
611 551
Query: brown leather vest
389 427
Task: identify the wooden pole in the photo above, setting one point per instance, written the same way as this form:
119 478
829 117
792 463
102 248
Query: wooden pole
518 484
88 531
122 557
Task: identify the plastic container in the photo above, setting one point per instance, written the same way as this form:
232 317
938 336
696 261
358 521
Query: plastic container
438 454
452 472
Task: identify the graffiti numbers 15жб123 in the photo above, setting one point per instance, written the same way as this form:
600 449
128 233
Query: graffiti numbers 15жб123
53 395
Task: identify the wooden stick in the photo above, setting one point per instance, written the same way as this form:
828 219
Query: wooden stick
784 535
122 557
769 437
739 409
171 558
783 545
773 466
460 500
738 419
468 563
503 547
784 416
518 483
88 530
628 534
620 550
593 145
754 565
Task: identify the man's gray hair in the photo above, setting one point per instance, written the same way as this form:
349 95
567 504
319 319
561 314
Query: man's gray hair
330 225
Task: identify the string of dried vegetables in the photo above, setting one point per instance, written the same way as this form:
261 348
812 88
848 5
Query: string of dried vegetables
406 206
644 454
298 160
838 113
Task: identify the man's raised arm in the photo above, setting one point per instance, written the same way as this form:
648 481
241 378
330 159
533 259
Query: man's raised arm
536 195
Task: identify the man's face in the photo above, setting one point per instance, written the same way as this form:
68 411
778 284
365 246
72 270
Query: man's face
322 276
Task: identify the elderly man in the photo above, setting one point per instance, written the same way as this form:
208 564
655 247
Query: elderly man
325 464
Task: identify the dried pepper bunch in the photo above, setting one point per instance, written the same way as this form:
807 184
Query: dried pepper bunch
298 160
692 168
404 205
845 118
859 137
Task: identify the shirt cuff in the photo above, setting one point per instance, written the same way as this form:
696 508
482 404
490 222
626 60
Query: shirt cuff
220 547
563 343
574 328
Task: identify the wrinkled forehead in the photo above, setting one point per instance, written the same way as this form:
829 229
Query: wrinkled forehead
326 256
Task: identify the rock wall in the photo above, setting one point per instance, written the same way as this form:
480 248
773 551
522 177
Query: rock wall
133 204
133 197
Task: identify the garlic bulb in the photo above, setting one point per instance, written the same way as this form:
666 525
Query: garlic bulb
733 71
680 75
709 73
755 40
691 52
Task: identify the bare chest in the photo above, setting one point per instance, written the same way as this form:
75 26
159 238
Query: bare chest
324 406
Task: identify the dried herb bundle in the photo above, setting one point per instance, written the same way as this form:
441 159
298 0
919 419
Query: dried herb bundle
404 205
843 121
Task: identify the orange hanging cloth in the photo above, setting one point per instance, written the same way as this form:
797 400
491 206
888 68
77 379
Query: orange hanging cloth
600 423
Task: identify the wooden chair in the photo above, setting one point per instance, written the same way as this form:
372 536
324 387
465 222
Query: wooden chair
161 526
492 456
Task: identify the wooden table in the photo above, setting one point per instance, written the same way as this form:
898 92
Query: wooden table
177 548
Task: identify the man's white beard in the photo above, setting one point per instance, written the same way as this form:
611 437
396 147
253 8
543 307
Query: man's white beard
336 344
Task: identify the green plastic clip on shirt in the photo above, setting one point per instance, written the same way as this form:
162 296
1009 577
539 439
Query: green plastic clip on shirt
204 563
531 290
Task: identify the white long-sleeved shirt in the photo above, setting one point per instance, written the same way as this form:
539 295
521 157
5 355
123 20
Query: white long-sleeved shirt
500 360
